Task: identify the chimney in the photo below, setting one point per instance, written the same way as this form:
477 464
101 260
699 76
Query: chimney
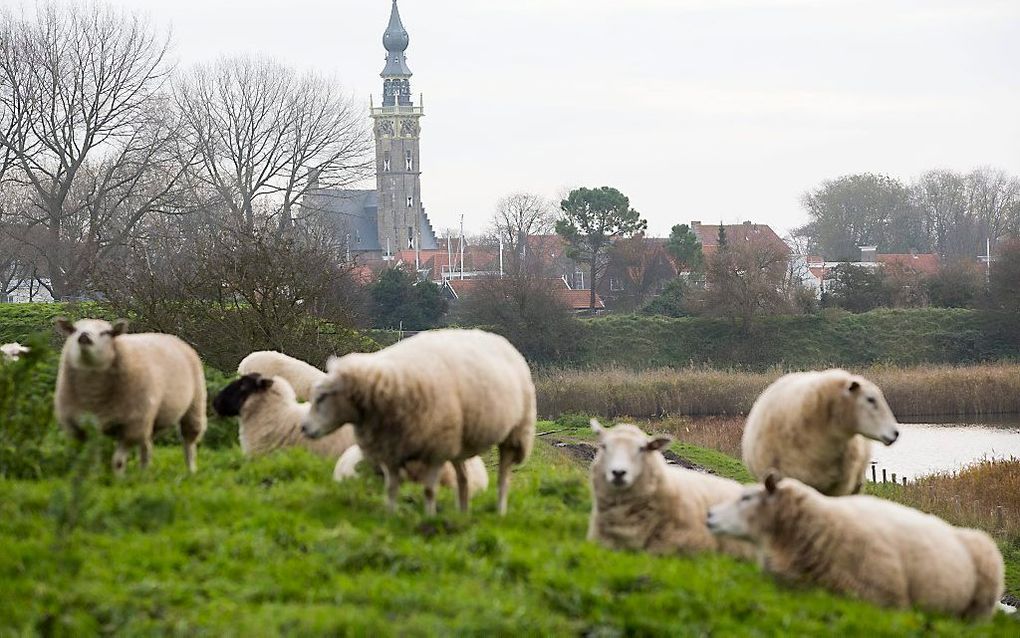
747 223
695 224
868 254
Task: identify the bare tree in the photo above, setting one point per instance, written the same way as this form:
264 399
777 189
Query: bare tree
80 126
518 216
262 133
748 279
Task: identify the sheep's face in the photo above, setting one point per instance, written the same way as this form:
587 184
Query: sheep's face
330 408
623 452
90 342
746 517
872 416
232 398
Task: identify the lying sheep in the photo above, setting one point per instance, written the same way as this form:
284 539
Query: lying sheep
13 351
443 395
270 417
640 502
881 551
813 426
478 477
301 376
134 385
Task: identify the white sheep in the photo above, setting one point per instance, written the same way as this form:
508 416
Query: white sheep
478 477
814 426
13 351
443 395
640 502
301 376
133 385
270 417
880 551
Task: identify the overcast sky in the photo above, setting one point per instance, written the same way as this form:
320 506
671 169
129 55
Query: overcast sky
696 109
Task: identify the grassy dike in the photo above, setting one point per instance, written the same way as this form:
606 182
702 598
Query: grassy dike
272 546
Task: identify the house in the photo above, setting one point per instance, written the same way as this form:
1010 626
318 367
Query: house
708 235
576 300
818 271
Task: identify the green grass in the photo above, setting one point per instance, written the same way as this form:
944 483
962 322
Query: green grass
272 546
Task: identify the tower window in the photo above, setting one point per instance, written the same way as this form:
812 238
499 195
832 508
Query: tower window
410 202
409 160
386 162
410 236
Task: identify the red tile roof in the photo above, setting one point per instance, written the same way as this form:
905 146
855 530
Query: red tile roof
926 263
708 235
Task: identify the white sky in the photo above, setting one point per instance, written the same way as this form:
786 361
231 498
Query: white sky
696 109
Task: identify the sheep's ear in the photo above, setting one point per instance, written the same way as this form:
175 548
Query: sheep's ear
63 326
263 383
771 481
658 443
596 427
853 387
119 327
332 363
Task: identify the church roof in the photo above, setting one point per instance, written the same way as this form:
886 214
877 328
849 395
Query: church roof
350 211
396 39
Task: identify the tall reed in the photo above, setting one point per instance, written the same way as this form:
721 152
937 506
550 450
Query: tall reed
979 390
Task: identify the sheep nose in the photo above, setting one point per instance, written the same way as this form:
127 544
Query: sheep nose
619 474
84 339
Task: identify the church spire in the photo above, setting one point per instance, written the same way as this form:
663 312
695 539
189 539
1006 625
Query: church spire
396 76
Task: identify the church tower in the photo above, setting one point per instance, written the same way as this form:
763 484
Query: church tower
401 216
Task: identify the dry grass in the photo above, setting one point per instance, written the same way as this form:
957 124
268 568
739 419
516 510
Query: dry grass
985 495
718 433
912 392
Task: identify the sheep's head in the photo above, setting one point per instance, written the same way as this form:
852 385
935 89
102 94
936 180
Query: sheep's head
90 342
13 351
332 405
232 398
872 417
760 509
623 453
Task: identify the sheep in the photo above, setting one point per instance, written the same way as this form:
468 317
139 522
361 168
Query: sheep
270 417
13 351
301 376
813 426
641 503
478 477
133 385
442 395
880 551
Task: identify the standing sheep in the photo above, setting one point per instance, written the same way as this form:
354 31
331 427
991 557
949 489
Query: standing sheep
301 376
270 417
814 426
443 395
134 385
640 502
880 551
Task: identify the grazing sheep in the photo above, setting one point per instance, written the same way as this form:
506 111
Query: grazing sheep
443 395
881 551
301 376
640 502
814 426
134 385
270 417
13 351
478 477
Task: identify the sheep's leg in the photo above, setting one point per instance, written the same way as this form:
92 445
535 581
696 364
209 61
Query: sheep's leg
391 478
145 453
120 457
431 480
462 485
506 460
192 427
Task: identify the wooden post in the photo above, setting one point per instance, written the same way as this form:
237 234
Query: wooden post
894 478
904 480
874 478
883 475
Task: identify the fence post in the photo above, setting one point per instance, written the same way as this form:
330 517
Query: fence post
904 480
874 478
883 475
894 478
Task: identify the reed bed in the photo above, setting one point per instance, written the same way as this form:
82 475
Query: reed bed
985 495
927 391
718 433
